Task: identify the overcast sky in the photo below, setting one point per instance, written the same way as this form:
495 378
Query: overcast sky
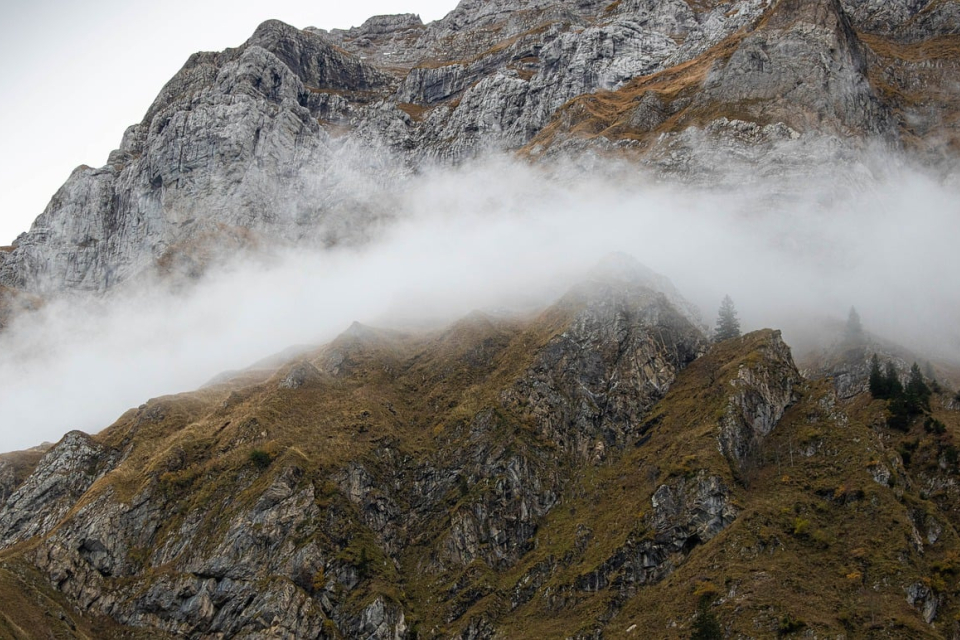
75 75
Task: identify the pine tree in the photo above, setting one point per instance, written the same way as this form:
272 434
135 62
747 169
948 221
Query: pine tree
891 380
878 387
853 332
728 326
705 625
916 393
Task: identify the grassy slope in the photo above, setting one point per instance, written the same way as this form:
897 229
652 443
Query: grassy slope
818 544
30 609
818 541
908 78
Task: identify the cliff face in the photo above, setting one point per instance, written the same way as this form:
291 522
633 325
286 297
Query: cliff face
596 470
468 439
295 135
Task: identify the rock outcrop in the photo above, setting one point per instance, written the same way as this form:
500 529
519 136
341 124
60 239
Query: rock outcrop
763 389
554 475
296 136
593 470
62 476
590 388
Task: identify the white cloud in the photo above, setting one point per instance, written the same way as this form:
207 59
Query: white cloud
498 232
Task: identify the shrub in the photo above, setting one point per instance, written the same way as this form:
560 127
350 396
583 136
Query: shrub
789 624
934 426
319 581
800 526
260 458
705 626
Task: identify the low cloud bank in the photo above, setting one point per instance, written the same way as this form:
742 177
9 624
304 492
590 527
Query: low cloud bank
497 233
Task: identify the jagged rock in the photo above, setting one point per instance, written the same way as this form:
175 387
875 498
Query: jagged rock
382 621
686 513
595 381
302 374
498 525
699 509
479 628
924 600
764 386
806 67
217 159
245 148
62 476
385 39
907 20
219 590
882 16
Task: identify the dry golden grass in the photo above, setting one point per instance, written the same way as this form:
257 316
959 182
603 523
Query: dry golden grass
415 111
416 391
607 113
936 48
30 609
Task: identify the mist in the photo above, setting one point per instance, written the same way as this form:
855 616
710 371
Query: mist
498 234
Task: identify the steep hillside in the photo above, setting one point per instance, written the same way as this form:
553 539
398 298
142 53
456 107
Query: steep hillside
597 468
594 470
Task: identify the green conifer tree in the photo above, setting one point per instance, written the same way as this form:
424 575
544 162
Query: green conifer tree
878 387
891 381
705 625
916 393
728 326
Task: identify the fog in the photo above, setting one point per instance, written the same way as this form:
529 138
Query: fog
497 234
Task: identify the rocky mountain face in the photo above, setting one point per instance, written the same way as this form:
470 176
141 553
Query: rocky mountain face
297 135
595 470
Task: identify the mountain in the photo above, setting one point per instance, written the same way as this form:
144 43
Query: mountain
596 467
300 136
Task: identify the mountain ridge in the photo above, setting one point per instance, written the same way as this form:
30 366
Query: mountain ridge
234 134
596 467
502 477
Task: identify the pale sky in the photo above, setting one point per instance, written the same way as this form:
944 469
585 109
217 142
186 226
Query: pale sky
76 75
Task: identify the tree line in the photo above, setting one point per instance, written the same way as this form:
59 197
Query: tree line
906 402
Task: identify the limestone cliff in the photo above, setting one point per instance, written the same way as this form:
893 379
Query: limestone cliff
296 135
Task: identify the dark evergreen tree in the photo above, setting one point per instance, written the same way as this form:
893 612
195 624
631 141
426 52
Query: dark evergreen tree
905 403
916 394
878 387
891 381
728 326
705 626
853 333
900 416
